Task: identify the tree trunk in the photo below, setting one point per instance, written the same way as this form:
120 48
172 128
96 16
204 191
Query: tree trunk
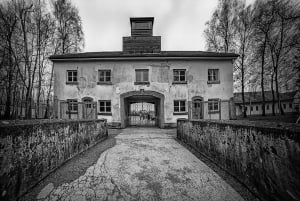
48 95
38 60
262 76
7 114
28 103
28 97
277 93
273 95
7 104
277 64
243 87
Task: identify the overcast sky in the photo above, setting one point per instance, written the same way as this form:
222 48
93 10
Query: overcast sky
180 23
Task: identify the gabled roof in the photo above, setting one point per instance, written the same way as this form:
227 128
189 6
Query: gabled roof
256 97
119 55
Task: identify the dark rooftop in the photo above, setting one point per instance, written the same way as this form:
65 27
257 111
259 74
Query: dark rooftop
162 54
139 19
256 97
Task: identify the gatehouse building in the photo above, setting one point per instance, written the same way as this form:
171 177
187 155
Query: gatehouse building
143 85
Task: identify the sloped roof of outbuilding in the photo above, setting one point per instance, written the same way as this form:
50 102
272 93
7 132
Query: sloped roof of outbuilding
119 55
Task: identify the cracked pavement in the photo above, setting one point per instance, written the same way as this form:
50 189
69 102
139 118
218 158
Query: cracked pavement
145 164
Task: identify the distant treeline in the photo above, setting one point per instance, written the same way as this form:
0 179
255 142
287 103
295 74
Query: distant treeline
266 35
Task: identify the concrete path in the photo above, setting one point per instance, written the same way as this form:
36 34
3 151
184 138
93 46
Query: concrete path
145 164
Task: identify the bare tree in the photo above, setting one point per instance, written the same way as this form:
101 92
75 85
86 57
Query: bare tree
45 28
8 23
263 20
219 30
243 29
29 34
286 14
69 28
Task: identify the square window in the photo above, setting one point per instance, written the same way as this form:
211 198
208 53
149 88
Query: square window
267 107
256 108
213 105
179 75
142 75
105 106
251 108
72 105
290 105
72 76
284 106
213 75
179 106
104 75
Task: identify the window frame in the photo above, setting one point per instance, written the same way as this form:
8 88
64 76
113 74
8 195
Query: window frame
210 76
72 81
180 112
88 102
105 112
105 81
179 76
72 106
215 102
142 81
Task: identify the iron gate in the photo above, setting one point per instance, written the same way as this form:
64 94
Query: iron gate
142 114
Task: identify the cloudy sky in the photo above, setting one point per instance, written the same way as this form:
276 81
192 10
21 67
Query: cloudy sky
180 23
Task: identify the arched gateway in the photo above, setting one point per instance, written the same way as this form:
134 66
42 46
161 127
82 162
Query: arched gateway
145 108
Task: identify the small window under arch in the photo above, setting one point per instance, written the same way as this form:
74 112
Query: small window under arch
88 101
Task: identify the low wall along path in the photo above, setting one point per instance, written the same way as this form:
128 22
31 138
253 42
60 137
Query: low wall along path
263 156
29 152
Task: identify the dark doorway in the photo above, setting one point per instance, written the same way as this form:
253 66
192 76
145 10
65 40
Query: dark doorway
197 108
142 108
89 108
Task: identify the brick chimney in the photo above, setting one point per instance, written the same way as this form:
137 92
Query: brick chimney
141 39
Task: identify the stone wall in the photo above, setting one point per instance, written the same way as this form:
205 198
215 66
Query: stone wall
28 152
263 156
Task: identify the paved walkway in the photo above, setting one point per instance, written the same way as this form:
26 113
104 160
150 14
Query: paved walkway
145 164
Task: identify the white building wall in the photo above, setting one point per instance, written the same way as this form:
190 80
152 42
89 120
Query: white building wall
160 77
